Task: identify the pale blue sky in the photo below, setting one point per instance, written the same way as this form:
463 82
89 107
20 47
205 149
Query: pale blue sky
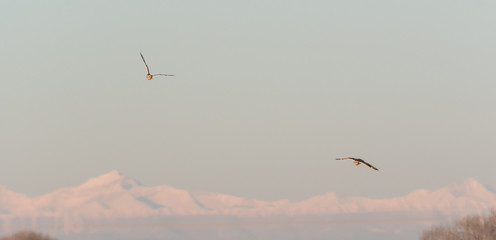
267 95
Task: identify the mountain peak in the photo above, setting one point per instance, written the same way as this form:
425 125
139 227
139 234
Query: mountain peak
469 187
465 184
113 177
112 174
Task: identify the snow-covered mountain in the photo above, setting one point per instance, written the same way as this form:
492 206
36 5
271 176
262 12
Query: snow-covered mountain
113 196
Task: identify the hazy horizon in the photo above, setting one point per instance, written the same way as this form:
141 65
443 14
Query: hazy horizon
110 175
113 206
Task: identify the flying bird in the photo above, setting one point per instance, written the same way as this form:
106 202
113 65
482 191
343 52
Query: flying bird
358 161
148 75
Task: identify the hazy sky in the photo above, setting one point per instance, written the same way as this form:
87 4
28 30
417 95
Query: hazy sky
266 95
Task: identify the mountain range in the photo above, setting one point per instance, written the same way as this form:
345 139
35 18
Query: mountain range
113 196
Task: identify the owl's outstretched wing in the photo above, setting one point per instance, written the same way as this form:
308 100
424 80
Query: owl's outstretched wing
147 70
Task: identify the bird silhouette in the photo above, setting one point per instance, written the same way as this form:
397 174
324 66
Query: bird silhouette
148 75
358 161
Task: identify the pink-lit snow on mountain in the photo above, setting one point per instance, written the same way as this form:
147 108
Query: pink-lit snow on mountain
113 196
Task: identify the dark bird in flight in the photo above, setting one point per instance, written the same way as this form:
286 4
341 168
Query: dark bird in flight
358 161
148 75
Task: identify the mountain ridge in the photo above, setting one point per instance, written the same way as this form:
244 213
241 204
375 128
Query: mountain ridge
114 196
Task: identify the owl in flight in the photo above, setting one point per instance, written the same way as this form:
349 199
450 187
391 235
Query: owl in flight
148 75
358 161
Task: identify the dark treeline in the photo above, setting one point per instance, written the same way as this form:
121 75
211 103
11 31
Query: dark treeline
27 235
473 227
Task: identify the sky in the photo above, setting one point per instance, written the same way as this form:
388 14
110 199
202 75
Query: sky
266 95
